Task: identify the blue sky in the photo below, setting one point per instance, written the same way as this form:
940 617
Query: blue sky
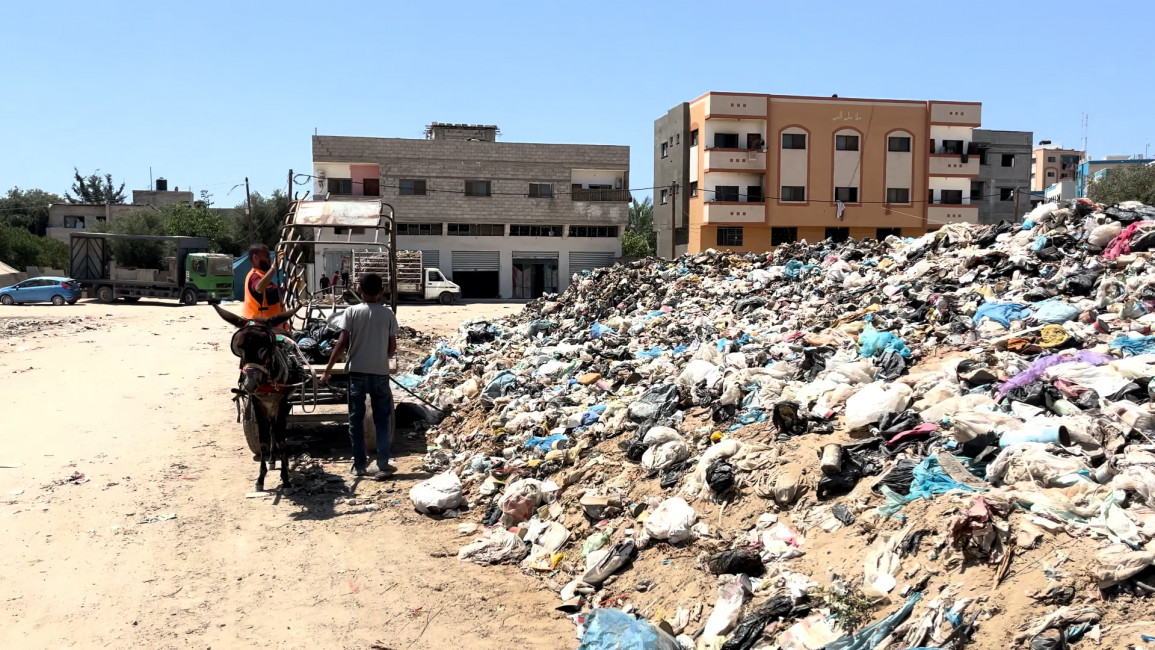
207 93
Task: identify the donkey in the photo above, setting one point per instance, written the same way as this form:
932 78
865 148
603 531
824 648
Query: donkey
267 382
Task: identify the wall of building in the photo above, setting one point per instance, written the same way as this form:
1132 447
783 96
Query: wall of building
159 199
672 129
995 178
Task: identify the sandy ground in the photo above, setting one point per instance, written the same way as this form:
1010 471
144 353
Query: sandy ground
123 474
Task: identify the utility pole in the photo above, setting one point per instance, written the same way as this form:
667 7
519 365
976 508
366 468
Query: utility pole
290 186
249 209
673 217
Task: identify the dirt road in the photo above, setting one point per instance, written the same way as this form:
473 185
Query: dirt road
123 475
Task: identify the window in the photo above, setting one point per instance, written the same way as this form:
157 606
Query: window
593 231
681 236
434 276
1006 194
348 231
694 138
1050 159
977 190
419 229
671 140
730 236
754 193
476 230
534 231
541 190
846 194
883 233
200 266
793 193
1008 160
930 196
411 187
898 195
371 187
838 235
477 188
677 138
793 140
664 197
952 146
951 197
726 140
725 192
1063 175
340 185
1050 173
898 143
693 188
664 153
74 222
779 236
846 142
983 156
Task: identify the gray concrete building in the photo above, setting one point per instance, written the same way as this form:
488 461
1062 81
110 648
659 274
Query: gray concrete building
65 218
501 219
1004 173
672 181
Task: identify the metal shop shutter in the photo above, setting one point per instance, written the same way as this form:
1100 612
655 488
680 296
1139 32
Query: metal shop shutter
430 259
535 255
476 261
582 261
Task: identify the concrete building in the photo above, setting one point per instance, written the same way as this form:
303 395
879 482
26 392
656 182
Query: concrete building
1090 171
65 218
1004 174
1051 163
501 219
762 170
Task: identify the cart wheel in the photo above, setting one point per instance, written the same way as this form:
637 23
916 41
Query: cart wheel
249 422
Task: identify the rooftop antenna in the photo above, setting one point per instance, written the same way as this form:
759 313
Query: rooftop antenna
1084 125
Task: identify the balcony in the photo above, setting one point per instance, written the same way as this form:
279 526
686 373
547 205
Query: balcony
735 160
733 212
952 165
615 196
941 214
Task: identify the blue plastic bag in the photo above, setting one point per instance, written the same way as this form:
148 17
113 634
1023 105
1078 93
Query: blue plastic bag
1056 312
652 353
407 380
613 629
1134 345
597 330
870 636
1001 312
873 343
544 444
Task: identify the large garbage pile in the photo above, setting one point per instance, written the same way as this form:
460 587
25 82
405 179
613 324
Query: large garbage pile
930 442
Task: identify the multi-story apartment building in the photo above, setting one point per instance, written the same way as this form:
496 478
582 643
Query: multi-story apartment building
760 170
1004 179
502 219
1051 164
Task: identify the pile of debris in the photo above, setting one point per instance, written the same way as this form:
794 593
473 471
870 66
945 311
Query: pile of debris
17 326
941 435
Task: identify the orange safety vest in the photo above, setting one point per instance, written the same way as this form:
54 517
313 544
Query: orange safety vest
261 307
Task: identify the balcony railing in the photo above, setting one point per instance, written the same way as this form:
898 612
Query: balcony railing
619 196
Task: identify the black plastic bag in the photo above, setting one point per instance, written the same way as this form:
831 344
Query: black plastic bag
831 485
893 422
749 630
492 516
743 560
843 514
898 478
1088 401
673 474
890 365
787 419
720 476
814 362
1031 394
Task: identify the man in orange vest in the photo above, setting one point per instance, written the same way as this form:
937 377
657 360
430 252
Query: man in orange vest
262 295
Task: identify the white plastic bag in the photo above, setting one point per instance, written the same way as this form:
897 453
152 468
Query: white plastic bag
732 592
659 435
438 494
671 521
499 545
659 457
867 405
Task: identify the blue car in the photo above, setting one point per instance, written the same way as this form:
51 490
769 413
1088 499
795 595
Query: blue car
47 289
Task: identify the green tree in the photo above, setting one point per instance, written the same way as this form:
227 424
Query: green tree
634 244
198 221
94 189
140 254
27 209
1129 183
641 221
268 214
20 248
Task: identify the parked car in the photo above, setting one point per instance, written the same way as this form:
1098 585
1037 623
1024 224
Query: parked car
47 289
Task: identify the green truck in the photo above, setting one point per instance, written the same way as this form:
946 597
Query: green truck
193 274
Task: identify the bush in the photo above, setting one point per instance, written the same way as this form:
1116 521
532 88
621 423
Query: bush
20 248
139 254
634 244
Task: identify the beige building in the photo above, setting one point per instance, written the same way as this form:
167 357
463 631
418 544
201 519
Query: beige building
762 170
1052 164
66 218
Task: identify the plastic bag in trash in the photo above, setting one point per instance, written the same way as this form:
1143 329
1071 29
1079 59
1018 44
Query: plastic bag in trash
869 404
671 521
749 631
438 494
720 476
499 545
613 629
899 477
870 636
501 385
742 560
1056 312
732 593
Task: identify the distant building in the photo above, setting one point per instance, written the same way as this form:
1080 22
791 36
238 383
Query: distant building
65 218
501 219
1051 163
751 171
1004 174
1090 171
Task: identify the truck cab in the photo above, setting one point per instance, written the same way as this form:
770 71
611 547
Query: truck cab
211 274
440 288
